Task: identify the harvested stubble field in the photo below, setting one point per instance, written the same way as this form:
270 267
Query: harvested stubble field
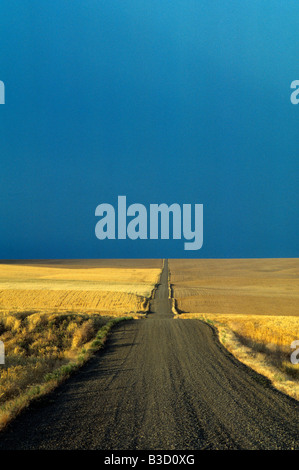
229 286
255 305
53 314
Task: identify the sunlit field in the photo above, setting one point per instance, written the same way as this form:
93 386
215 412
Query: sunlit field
111 287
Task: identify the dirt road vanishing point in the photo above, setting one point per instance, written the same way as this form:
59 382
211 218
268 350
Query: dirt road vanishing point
160 383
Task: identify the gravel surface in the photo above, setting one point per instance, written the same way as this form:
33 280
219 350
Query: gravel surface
160 383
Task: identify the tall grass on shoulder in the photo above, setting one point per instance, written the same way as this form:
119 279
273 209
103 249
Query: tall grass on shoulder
41 350
263 343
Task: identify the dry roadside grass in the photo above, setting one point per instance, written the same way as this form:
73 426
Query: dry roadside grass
43 349
54 314
253 304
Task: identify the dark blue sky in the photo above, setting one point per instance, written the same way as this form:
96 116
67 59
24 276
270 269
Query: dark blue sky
162 101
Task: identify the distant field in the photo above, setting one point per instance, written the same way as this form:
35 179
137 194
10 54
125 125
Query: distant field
254 286
108 286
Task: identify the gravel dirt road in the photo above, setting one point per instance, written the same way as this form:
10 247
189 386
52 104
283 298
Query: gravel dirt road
160 383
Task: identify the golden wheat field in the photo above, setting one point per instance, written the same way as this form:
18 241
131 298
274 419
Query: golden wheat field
254 304
111 287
